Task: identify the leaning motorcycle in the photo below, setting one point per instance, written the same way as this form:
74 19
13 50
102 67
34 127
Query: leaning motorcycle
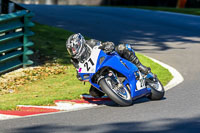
118 78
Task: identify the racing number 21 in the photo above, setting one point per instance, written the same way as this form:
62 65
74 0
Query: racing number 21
88 63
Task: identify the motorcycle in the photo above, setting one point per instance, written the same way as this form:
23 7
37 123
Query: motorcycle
118 78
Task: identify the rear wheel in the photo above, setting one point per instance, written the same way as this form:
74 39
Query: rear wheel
118 93
157 90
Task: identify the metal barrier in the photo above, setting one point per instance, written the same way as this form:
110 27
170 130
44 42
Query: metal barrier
14 42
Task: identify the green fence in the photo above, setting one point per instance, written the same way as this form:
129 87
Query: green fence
14 42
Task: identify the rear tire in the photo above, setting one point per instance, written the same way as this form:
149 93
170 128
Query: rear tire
112 94
157 90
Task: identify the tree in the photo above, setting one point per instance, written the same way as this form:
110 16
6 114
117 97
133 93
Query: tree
181 3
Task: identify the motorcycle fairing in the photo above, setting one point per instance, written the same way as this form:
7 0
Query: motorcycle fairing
89 66
121 65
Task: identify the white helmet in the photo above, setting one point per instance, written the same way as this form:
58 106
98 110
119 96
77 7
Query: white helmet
76 45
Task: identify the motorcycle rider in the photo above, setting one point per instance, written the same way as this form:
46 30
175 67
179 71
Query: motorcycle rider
80 50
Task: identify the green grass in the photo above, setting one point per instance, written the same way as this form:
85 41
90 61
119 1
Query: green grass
50 42
193 11
44 92
162 73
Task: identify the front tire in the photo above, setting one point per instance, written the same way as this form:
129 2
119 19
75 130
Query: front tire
124 98
157 90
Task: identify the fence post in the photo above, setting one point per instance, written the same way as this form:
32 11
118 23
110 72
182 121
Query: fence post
181 3
4 6
27 43
0 7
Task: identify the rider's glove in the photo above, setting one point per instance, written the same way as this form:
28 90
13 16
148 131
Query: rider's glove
107 47
75 63
79 77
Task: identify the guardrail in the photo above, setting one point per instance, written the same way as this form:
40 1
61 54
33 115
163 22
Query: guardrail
14 42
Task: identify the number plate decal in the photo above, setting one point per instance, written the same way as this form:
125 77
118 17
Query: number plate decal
89 66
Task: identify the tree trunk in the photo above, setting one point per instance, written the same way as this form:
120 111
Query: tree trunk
181 3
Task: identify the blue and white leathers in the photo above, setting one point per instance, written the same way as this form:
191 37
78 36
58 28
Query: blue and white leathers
99 60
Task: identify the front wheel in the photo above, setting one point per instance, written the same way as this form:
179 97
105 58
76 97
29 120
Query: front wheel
157 90
118 93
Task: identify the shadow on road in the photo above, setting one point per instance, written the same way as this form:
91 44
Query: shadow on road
163 125
146 28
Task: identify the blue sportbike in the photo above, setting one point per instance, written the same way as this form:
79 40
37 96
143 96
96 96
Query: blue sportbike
118 78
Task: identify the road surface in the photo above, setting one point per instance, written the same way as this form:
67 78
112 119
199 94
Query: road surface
171 38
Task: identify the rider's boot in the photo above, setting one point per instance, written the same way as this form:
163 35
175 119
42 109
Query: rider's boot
142 68
95 93
133 58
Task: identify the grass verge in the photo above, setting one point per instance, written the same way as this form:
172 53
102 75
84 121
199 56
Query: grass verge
192 11
50 45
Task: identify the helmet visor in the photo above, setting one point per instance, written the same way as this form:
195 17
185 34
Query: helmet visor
74 48
75 44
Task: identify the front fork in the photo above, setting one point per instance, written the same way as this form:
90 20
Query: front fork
143 79
113 76
141 82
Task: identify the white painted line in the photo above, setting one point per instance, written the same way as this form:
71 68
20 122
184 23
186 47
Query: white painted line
72 106
5 117
177 77
64 106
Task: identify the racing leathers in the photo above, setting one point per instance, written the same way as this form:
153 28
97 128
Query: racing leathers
124 50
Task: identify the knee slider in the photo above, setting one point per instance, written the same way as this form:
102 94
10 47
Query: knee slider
128 47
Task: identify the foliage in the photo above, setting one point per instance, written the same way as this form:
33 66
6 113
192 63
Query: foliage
10 83
192 11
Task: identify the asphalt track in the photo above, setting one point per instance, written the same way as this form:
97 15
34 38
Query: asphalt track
170 38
